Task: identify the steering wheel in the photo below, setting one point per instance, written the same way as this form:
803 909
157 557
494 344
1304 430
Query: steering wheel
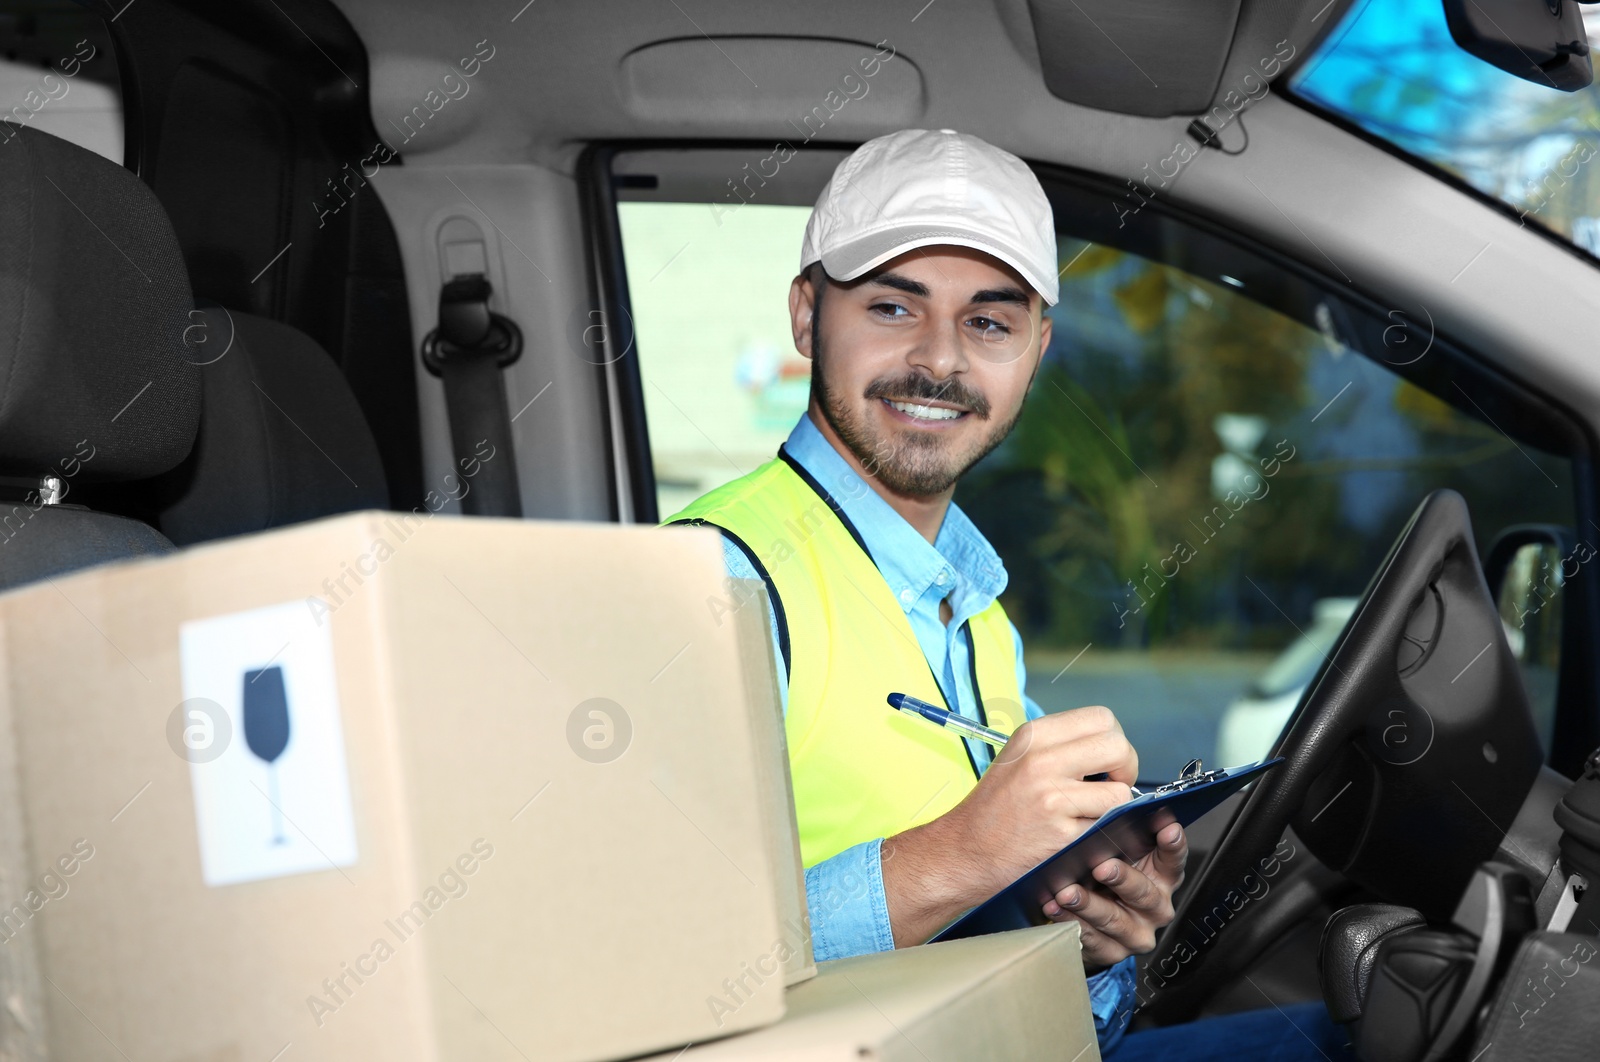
1406 760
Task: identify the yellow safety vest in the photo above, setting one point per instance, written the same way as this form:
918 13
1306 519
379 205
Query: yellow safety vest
861 769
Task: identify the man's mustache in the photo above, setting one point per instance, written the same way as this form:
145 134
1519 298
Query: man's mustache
914 387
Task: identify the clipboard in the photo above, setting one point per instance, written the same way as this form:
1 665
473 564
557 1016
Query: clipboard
1125 832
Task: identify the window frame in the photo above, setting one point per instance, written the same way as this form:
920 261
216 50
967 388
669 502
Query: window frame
633 480
1577 712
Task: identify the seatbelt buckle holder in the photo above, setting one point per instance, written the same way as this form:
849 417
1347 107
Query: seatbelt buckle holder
468 328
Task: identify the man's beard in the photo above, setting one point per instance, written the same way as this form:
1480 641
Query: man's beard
917 463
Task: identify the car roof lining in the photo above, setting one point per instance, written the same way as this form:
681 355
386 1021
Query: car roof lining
564 75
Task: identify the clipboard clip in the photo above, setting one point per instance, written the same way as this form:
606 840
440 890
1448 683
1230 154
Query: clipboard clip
1192 775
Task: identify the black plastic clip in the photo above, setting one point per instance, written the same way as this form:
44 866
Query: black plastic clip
467 326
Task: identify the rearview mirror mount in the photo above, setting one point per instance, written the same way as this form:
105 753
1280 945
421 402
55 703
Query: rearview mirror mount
1541 41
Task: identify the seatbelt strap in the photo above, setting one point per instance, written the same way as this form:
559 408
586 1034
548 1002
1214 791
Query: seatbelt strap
468 352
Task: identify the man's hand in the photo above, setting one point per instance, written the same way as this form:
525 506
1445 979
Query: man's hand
1121 917
1030 803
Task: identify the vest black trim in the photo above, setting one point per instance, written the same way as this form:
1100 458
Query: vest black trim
822 492
977 691
766 577
966 627
977 695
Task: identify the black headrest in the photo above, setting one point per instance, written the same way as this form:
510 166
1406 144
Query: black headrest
282 438
94 300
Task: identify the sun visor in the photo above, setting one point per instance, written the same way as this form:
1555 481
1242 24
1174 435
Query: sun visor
1151 58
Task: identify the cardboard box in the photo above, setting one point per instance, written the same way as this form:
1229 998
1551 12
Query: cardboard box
516 812
793 950
1010 996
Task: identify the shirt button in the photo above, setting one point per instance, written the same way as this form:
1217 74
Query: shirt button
906 596
942 578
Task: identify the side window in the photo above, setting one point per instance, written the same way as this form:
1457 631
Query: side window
1213 461
58 74
709 293
1215 456
710 242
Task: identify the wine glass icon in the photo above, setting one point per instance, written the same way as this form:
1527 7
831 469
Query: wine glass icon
266 729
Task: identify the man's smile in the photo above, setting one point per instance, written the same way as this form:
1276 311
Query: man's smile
924 413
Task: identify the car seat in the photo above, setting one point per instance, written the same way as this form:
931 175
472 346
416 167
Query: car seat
282 438
94 383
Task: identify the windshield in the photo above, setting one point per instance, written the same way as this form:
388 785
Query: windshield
1392 68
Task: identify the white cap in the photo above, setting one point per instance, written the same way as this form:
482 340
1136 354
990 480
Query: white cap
917 188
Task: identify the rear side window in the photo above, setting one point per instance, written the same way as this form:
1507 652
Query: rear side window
58 75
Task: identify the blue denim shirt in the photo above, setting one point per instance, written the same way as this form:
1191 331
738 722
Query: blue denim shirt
848 911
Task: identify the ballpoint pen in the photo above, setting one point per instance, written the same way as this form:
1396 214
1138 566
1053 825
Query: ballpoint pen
947 719
961 724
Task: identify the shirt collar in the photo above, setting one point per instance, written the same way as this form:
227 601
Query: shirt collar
960 561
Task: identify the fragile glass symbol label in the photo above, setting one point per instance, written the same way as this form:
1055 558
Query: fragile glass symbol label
276 799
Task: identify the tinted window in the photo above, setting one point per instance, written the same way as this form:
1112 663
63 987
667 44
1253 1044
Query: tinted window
1213 461
1392 68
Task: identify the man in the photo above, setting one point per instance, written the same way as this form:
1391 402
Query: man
925 269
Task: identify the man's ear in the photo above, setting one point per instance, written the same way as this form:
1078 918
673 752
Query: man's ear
802 304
